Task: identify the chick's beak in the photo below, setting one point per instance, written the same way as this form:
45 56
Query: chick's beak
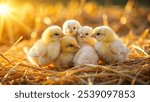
93 36
81 36
77 46
62 35
70 30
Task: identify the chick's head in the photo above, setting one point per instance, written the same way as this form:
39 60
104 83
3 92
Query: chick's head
69 44
85 32
70 27
104 33
52 34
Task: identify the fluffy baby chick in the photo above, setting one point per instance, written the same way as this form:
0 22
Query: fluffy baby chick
69 46
109 47
86 55
70 27
47 49
84 36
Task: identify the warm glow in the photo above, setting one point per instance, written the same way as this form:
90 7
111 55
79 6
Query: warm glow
4 9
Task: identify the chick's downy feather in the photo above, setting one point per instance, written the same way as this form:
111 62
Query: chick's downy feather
109 47
70 27
86 55
69 46
84 36
47 49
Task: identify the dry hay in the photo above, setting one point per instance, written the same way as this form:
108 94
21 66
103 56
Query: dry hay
132 22
15 69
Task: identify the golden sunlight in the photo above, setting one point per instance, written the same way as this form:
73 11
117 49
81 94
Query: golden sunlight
4 9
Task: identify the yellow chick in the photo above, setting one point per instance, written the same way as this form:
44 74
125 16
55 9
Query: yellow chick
86 55
84 36
70 27
47 49
109 47
69 46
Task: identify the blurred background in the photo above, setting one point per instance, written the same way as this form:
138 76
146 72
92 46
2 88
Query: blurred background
28 18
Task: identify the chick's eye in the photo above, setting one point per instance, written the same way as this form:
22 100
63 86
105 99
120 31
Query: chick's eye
56 34
98 34
70 45
74 27
86 34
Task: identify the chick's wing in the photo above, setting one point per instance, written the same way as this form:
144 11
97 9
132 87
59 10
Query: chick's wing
39 49
117 47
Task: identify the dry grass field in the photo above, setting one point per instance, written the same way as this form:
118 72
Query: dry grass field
21 24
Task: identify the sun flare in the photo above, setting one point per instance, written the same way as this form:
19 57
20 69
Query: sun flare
4 9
